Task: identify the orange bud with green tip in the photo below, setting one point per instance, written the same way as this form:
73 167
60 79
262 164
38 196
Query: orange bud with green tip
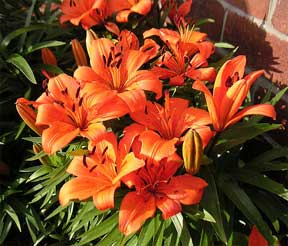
192 151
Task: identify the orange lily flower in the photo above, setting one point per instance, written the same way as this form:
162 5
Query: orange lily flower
156 187
99 174
172 120
186 37
115 68
230 90
176 66
69 110
88 12
176 11
124 8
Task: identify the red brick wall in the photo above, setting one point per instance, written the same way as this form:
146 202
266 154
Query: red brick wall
260 29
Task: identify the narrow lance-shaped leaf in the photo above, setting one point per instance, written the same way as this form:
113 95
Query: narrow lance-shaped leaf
240 133
242 201
19 62
182 230
211 194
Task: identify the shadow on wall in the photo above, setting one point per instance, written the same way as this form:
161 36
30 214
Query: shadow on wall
239 31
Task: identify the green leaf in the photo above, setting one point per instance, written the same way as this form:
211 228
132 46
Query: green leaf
224 45
182 230
197 214
239 134
238 239
50 68
43 170
261 181
269 155
42 45
207 234
57 211
37 156
113 237
242 201
33 139
5 42
19 62
213 208
204 21
219 63
269 204
273 101
149 229
5 230
11 212
99 230
160 234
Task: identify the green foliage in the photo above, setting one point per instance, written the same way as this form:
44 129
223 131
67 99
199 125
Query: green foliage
241 191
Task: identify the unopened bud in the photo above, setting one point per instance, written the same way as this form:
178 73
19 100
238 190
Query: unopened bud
79 53
192 151
28 115
90 37
48 57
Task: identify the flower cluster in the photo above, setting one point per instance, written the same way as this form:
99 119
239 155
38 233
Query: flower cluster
124 78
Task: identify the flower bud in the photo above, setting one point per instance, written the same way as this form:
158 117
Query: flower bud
48 57
192 151
79 53
28 115
90 37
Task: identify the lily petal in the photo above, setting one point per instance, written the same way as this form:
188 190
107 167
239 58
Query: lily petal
104 198
135 209
155 147
232 66
77 188
128 165
261 109
199 85
168 206
57 136
147 80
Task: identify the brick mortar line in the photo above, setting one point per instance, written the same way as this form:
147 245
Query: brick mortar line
260 23
271 10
